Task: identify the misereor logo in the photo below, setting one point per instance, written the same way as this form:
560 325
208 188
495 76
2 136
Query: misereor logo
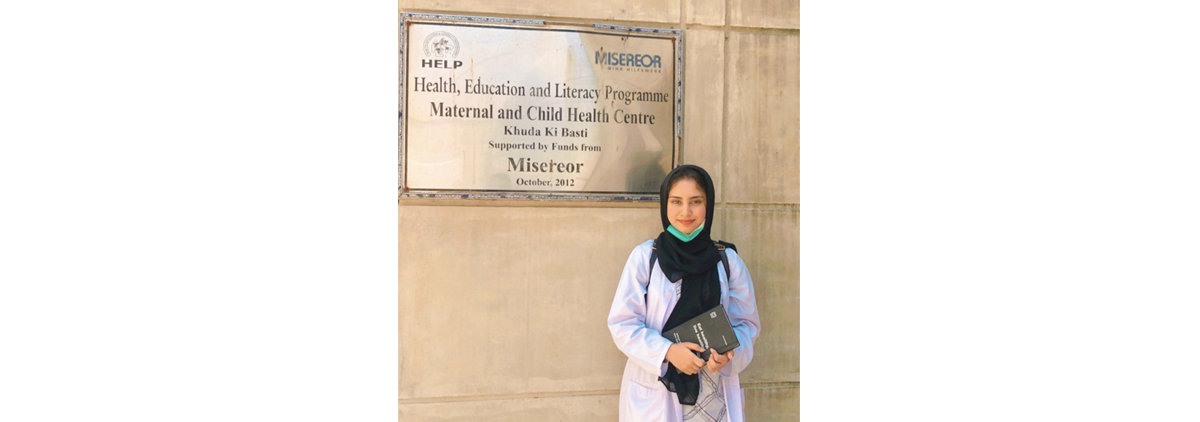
634 62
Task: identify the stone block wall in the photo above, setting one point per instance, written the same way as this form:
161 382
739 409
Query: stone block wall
488 289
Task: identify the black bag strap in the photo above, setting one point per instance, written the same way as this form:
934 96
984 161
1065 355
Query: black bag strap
654 259
724 260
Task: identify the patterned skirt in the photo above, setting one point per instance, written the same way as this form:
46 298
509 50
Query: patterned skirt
710 406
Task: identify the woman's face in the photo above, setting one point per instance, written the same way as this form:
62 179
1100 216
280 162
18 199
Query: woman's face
686 206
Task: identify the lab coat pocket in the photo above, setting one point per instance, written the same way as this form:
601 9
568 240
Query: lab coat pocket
646 404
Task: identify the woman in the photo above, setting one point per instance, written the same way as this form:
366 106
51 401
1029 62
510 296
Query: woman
665 381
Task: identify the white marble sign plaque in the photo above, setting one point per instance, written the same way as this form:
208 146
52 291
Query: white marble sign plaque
494 106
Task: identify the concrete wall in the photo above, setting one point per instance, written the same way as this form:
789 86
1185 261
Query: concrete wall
487 288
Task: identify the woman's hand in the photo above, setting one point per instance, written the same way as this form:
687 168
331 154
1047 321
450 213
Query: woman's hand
717 362
680 355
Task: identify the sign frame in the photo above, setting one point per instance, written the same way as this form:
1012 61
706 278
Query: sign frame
407 18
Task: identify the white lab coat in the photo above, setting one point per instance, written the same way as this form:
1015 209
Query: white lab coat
636 322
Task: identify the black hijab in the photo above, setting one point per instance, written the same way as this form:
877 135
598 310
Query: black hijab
694 264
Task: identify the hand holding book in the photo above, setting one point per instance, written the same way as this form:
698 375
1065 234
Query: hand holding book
683 356
717 361
710 330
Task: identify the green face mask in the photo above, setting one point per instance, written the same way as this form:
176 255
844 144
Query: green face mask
685 237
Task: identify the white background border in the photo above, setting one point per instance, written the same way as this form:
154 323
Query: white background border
997 213
999 210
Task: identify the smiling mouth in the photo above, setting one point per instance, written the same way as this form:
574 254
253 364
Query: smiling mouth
687 222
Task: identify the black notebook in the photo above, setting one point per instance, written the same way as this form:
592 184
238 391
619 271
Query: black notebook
711 330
